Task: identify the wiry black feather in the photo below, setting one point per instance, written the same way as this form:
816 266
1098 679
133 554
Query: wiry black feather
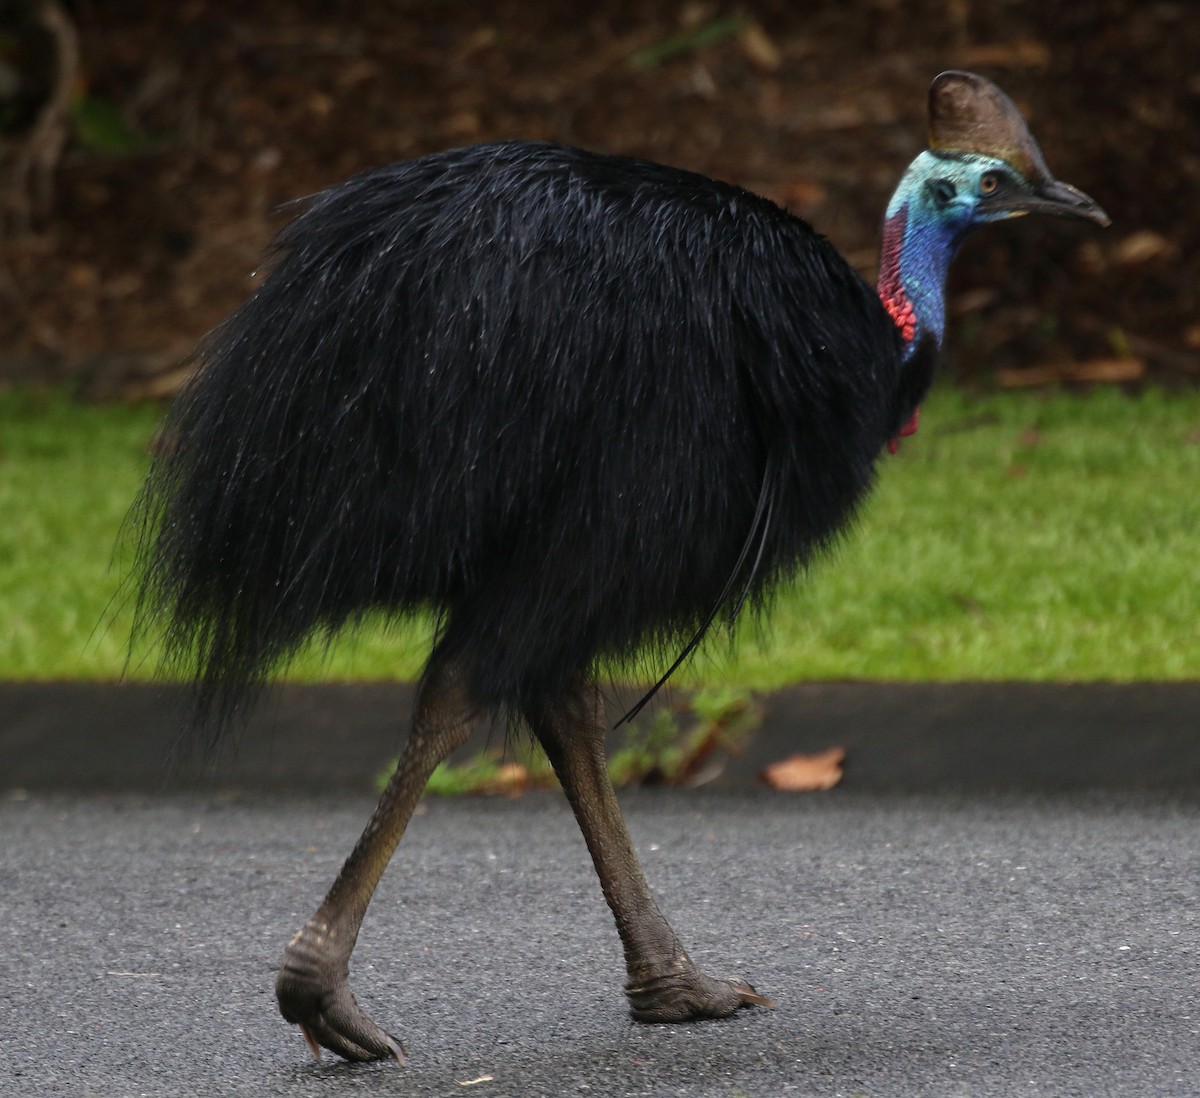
573 403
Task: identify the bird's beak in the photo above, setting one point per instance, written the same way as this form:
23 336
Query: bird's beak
1059 200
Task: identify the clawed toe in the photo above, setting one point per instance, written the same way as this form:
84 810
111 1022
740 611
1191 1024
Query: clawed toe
330 1018
323 1031
686 995
314 994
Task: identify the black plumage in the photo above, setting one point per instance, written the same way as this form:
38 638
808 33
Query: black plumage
577 406
572 403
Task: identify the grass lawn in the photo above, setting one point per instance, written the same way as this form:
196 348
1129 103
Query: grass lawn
1017 536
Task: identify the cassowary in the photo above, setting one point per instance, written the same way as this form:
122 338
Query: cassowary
576 406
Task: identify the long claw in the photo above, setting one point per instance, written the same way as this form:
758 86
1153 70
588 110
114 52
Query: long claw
314 1047
331 1033
313 993
749 996
351 1035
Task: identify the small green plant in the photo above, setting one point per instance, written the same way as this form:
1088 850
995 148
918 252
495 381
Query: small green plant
708 34
100 126
488 773
680 745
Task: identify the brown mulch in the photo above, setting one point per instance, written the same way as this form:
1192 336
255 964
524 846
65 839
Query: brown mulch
819 106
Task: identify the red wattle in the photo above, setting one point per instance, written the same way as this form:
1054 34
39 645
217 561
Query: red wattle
890 288
891 292
909 428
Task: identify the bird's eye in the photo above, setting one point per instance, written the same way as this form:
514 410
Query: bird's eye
989 184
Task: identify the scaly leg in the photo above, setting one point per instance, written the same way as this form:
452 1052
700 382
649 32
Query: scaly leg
664 985
312 986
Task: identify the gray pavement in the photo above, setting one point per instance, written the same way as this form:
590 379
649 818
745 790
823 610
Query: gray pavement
916 944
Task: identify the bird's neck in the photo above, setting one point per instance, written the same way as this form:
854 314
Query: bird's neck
914 259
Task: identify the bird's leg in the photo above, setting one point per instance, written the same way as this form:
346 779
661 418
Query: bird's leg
312 986
663 985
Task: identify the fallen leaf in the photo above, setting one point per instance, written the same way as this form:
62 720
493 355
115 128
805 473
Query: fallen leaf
484 38
802 773
694 13
701 82
511 780
972 301
320 104
804 192
758 47
81 276
1097 369
1141 247
1025 52
463 124
357 72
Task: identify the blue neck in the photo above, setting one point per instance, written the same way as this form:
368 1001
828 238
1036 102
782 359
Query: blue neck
924 262
918 243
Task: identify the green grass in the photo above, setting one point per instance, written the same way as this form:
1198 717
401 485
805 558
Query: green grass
67 476
1018 536
1021 536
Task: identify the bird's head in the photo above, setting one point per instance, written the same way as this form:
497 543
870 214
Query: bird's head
982 164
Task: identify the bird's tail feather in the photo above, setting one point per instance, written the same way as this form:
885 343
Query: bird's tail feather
758 534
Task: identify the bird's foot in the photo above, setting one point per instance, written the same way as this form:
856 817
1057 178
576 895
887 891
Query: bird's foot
685 994
313 991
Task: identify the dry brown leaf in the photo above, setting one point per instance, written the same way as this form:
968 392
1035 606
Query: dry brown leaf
803 773
972 301
1025 52
511 780
320 104
758 47
1141 247
463 124
361 70
482 38
804 192
1097 369
82 276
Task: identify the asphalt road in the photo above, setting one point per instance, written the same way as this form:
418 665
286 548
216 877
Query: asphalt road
914 944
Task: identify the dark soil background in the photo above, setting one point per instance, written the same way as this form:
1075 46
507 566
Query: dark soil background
217 113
